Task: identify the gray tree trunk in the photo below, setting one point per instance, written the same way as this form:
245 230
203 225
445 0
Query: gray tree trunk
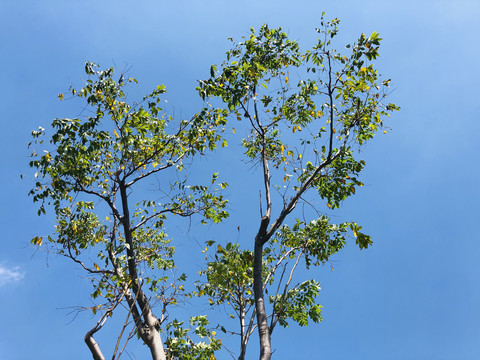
262 324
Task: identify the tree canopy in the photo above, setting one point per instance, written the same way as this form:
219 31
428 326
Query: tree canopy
91 170
307 114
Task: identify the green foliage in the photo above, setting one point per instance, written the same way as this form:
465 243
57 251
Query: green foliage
179 344
229 274
307 114
90 169
298 304
93 156
318 240
229 277
308 111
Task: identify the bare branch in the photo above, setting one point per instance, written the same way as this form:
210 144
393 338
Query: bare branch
90 341
125 324
91 271
279 262
168 165
284 295
330 97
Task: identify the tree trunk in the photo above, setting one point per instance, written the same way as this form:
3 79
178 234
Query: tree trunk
242 353
262 324
154 342
148 329
93 346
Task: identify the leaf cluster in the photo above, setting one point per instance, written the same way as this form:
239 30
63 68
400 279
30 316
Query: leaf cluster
180 344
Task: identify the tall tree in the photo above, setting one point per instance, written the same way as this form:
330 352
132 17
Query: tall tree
307 114
90 172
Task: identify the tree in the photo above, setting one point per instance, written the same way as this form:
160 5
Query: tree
307 114
91 170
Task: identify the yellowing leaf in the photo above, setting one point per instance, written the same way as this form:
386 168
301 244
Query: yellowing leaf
37 240
233 130
96 266
286 80
107 218
60 96
115 132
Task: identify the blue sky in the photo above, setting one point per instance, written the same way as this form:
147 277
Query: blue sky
413 295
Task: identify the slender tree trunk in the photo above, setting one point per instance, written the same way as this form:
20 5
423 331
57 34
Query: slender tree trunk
260 240
243 335
148 329
262 324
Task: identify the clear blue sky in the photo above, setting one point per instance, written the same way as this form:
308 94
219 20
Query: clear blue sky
414 295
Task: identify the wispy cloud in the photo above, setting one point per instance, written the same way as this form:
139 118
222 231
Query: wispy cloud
9 275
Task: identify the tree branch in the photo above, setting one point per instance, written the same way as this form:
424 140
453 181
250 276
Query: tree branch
276 315
293 201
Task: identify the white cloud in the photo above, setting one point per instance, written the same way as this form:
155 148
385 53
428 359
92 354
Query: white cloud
9 275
